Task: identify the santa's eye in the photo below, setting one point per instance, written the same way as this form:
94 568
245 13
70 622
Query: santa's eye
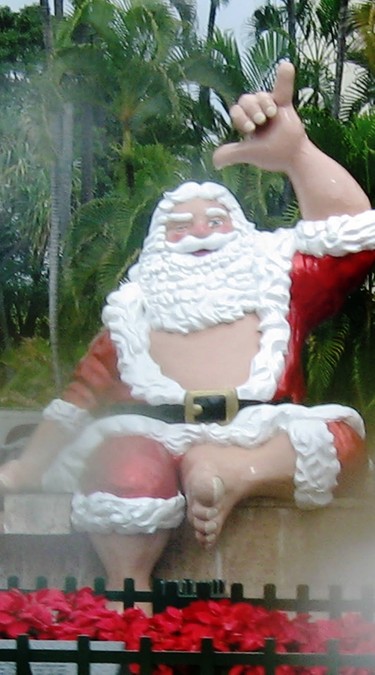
216 222
178 227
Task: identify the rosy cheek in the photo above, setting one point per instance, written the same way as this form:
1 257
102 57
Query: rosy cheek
174 237
227 227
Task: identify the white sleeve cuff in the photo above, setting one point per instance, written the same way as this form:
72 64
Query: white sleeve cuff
317 466
336 236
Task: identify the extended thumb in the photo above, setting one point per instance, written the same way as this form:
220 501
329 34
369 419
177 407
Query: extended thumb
226 155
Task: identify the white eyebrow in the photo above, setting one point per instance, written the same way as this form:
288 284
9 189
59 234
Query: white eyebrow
213 211
180 217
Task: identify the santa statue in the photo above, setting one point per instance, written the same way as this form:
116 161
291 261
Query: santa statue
189 399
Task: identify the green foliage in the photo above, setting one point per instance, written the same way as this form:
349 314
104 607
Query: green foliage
140 67
325 348
352 144
340 354
26 376
107 233
21 36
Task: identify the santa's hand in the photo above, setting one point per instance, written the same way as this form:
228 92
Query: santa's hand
272 130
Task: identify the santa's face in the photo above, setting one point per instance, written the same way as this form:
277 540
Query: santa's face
193 227
196 266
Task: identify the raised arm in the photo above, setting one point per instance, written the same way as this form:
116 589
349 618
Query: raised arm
274 138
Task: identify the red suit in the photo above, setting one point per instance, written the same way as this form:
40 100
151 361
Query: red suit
319 287
128 462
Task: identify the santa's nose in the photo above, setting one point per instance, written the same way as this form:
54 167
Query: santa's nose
200 228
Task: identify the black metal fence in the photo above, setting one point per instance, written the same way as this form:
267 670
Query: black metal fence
181 593
207 661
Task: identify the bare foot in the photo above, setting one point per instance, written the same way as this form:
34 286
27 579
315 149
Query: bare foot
211 492
11 479
216 478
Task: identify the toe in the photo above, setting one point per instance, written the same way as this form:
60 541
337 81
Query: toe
208 540
205 527
204 512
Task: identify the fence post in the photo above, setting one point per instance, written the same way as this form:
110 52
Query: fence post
70 585
206 662
269 596
269 656
23 656
145 651
83 655
303 599
333 657
236 592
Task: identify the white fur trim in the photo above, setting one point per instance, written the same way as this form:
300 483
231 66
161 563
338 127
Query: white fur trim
69 416
316 466
104 512
337 235
263 289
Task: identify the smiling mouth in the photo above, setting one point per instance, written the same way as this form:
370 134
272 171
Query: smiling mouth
202 251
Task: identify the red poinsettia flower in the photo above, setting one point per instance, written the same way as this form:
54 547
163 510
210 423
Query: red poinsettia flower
52 614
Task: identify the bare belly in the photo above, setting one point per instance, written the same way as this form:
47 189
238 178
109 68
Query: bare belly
213 358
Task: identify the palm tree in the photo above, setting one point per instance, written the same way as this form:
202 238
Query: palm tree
317 32
135 63
360 95
214 6
342 31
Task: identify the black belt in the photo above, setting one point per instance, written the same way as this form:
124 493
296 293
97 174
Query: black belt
199 407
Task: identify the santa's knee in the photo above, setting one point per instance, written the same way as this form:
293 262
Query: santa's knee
328 453
132 467
353 459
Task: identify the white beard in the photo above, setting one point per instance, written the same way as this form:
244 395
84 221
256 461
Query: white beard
183 292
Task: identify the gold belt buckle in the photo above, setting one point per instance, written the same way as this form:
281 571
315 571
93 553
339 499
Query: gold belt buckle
193 408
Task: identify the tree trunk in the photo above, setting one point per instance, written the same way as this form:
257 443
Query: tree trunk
61 128
61 188
59 8
340 57
4 331
47 30
53 254
291 13
87 125
212 19
64 146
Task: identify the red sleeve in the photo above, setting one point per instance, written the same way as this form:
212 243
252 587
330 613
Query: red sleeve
350 447
96 380
319 286
353 458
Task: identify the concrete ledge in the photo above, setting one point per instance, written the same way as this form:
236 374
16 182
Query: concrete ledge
264 541
37 514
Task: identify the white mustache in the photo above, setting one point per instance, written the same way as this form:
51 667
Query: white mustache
190 244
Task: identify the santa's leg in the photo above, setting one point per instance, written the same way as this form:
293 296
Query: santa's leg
304 463
129 503
131 556
215 478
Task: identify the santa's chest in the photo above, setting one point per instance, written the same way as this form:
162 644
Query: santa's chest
216 357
